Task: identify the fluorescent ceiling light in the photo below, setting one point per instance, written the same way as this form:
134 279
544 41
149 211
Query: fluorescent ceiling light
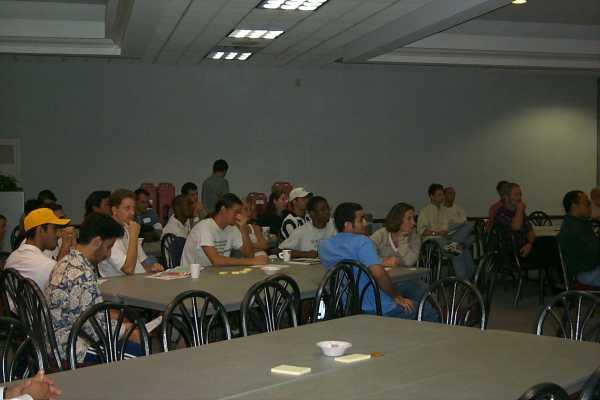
301 5
255 34
229 55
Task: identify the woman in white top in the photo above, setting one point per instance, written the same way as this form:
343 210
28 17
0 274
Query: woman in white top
254 231
397 242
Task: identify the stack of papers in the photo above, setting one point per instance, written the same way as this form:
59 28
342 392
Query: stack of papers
169 275
352 358
305 261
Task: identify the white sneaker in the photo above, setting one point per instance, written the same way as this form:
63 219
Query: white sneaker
452 248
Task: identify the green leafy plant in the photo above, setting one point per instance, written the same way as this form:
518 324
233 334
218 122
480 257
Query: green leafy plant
9 184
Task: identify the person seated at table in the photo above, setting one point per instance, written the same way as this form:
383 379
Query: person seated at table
210 242
127 256
179 224
501 187
512 218
146 217
46 197
190 191
297 216
259 243
304 241
99 202
74 288
273 216
454 213
215 186
40 387
29 260
397 243
579 245
595 196
351 243
455 239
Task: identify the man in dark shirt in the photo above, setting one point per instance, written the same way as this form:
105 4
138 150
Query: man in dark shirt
215 186
513 218
580 247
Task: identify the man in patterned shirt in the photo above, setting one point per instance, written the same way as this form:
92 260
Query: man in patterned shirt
73 286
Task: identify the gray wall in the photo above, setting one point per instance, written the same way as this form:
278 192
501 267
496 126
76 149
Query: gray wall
376 135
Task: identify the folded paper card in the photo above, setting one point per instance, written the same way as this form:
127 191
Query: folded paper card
351 358
290 370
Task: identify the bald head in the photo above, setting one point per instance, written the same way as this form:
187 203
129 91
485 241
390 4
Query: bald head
595 196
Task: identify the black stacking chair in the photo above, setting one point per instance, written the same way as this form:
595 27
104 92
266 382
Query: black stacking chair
457 301
430 257
485 279
572 315
35 315
103 335
540 218
292 287
545 391
267 307
591 389
171 248
338 294
20 355
196 316
10 279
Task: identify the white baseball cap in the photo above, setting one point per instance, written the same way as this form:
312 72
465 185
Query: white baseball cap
298 193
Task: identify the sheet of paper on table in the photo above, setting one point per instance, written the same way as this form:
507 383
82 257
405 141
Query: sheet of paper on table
305 261
169 275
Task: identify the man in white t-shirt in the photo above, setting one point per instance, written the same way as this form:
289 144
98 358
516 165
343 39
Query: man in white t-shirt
127 256
297 217
210 242
304 241
455 214
40 235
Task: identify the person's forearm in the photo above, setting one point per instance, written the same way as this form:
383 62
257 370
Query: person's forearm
517 221
63 251
261 243
304 254
247 249
530 236
222 261
383 280
128 267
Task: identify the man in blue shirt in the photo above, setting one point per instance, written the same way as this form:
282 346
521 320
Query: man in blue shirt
351 243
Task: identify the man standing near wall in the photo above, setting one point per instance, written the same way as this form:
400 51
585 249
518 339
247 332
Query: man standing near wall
215 186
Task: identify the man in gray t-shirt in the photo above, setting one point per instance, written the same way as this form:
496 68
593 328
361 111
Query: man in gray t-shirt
215 186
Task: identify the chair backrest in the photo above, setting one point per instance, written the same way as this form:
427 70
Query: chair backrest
260 202
591 389
267 307
545 391
540 218
338 292
283 186
36 316
100 327
457 301
20 355
479 243
485 279
15 238
430 257
198 316
362 273
580 317
292 287
10 279
171 249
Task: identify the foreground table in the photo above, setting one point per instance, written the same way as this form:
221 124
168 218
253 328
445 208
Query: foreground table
420 361
155 294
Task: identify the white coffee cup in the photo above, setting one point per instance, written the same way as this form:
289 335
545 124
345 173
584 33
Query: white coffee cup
285 255
195 271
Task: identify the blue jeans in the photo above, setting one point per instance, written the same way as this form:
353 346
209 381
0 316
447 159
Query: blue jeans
463 264
590 278
413 290
132 350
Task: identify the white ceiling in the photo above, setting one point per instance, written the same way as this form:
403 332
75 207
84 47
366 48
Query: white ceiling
183 32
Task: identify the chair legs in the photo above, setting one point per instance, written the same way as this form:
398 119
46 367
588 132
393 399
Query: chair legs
541 281
519 288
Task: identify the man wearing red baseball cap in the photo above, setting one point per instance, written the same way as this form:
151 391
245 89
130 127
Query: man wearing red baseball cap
40 234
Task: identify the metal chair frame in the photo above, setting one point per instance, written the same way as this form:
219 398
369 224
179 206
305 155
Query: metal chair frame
545 391
540 218
10 279
485 279
292 287
196 315
167 240
17 345
265 306
591 389
338 291
571 326
430 257
108 345
451 308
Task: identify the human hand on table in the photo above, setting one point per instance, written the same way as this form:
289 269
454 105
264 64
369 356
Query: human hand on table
391 261
40 387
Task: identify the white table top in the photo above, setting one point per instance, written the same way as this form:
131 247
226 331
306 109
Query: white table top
420 361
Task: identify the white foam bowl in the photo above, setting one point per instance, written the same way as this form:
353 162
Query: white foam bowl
270 270
334 348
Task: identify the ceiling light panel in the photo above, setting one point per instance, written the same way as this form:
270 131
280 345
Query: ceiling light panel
255 34
292 5
231 54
